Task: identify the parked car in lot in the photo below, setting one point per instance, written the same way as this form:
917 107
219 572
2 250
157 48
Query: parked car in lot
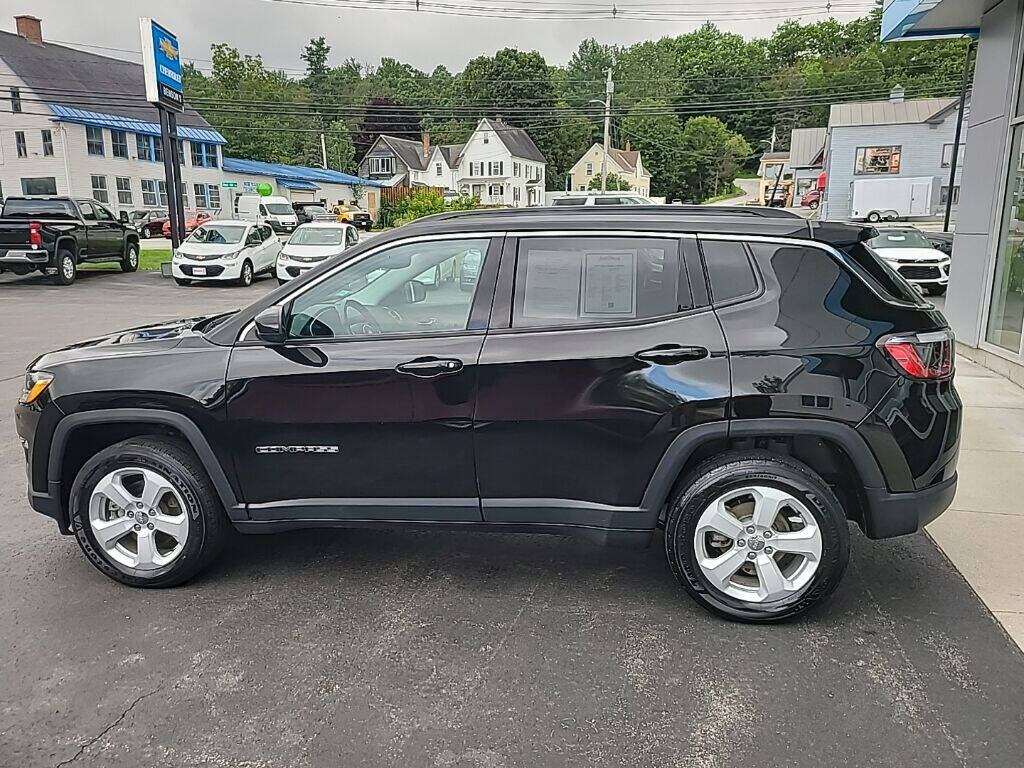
150 223
354 215
307 212
231 250
470 271
811 199
53 235
276 212
191 222
310 244
910 253
749 383
941 241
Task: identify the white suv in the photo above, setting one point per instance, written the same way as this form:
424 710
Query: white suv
226 250
596 198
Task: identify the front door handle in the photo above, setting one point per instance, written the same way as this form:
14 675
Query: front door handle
428 367
671 354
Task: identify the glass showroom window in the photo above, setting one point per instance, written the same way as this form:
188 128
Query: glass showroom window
1006 312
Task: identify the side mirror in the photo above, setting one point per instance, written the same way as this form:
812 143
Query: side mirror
415 292
270 325
123 216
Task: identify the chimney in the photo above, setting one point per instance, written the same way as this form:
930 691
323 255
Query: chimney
426 144
629 147
897 94
30 28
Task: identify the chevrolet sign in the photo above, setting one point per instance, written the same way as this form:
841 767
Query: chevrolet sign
161 62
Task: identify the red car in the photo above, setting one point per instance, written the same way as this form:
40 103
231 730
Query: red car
811 199
190 223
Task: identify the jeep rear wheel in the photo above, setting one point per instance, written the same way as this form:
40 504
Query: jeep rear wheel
145 513
756 537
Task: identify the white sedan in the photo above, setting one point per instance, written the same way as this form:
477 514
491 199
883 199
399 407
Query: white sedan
909 252
226 251
310 244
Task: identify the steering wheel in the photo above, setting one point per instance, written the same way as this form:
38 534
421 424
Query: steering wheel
364 324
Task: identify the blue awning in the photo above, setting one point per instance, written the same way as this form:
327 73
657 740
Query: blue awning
930 19
297 184
119 123
280 171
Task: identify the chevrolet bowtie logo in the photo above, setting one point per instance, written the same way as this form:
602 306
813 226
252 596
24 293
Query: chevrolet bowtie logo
168 48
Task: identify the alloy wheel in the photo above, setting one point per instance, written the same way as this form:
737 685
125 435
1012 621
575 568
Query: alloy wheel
67 267
758 544
138 518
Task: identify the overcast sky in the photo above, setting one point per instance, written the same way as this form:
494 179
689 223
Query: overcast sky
279 30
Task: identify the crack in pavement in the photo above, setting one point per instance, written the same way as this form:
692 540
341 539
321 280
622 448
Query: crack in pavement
85 745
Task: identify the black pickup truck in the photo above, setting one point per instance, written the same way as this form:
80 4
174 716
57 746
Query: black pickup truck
53 235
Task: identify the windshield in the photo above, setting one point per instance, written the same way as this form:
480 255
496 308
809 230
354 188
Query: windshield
218 234
318 236
279 209
314 210
902 238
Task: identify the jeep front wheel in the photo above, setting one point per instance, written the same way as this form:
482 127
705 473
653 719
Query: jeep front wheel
756 537
145 513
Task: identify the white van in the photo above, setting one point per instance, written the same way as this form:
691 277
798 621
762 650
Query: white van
275 211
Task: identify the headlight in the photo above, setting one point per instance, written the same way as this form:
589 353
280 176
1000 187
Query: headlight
36 383
283 257
230 258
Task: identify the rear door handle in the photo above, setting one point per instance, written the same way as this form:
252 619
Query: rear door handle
428 367
670 354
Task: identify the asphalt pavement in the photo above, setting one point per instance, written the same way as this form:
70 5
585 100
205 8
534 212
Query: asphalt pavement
369 648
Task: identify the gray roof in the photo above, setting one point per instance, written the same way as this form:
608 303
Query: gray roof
452 153
410 152
805 144
517 140
887 112
92 82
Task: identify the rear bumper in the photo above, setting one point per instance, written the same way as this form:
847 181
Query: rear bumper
27 257
896 514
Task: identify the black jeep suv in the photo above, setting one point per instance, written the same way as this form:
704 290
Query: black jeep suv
747 382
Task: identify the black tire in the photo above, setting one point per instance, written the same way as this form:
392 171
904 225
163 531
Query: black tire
130 262
208 524
182 281
246 276
732 471
67 268
939 290
874 217
144 233
281 281
813 206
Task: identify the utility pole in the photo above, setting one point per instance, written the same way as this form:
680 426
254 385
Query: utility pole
609 88
773 139
964 85
323 150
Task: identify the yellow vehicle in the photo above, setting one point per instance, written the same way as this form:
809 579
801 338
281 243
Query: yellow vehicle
354 215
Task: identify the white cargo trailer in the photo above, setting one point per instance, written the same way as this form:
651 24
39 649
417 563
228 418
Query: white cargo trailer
892 198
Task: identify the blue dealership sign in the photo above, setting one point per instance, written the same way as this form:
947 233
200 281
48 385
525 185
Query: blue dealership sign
161 60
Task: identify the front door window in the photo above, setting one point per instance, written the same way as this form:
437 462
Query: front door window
406 290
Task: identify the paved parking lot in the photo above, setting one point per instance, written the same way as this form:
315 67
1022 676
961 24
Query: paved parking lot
365 648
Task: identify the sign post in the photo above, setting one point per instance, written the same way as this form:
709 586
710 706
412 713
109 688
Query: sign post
161 63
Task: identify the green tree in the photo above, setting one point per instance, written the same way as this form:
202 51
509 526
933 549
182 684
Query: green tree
615 183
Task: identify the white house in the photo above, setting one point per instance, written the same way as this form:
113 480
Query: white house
499 164
626 163
61 134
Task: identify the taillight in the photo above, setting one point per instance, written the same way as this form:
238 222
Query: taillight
921 355
35 237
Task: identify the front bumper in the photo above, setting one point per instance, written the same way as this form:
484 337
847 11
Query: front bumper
896 514
215 270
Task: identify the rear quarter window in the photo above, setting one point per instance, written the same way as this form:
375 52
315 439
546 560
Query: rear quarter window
880 276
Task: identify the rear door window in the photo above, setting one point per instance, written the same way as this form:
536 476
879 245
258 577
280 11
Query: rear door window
564 281
730 270
883 278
